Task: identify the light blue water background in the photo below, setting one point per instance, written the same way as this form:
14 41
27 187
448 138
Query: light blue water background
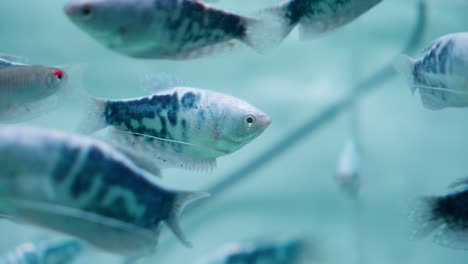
408 150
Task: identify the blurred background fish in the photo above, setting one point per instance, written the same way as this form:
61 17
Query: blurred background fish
52 251
316 17
168 29
27 91
440 74
445 216
291 251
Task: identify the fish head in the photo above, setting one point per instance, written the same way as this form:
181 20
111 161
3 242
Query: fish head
55 79
238 124
116 24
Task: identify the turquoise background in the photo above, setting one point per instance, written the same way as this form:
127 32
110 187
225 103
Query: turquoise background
407 150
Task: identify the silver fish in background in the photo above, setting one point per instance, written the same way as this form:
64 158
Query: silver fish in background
87 189
168 29
178 126
348 168
316 17
446 217
440 74
28 91
292 251
55 251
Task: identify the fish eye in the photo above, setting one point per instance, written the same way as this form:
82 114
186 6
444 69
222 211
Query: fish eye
249 120
58 74
86 10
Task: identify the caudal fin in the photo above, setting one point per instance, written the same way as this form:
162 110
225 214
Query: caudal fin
405 65
181 200
423 219
94 118
269 29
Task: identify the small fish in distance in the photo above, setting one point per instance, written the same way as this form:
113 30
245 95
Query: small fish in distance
348 168
28 91
316 17
87 189
169 29
445 216
292 251
440 74
54 251
178 126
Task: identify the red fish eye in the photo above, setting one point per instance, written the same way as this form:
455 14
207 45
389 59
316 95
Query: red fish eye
58 74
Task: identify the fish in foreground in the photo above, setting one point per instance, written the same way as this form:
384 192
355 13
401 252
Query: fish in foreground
28 91
446 217
292 251
348 168
178 126
440 74
169 29
316 17
87 189
56 251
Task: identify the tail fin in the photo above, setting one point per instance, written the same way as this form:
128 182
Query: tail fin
181 200
405 65
269 29
422 218
94 118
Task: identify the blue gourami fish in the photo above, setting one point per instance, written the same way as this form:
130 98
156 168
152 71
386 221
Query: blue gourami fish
316 17
27 91
178 126
292 251
348 168
55 251
440 74
445 216
168 29
87 189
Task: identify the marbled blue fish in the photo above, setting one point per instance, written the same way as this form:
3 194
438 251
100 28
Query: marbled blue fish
178 126
316 17
87 189
168 29
54 251
292 251
440 74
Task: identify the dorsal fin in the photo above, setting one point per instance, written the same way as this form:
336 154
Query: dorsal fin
155 83
9 60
